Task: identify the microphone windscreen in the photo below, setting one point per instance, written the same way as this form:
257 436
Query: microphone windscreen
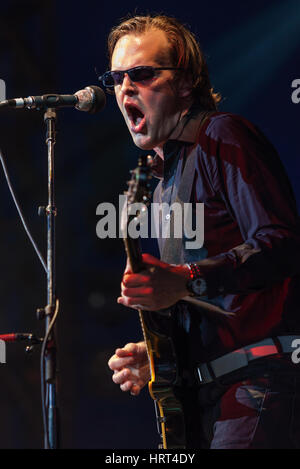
99 99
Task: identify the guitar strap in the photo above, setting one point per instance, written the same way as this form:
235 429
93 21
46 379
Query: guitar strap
172 252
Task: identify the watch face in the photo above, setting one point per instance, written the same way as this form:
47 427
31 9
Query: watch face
198 286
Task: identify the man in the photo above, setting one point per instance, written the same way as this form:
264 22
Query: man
246 275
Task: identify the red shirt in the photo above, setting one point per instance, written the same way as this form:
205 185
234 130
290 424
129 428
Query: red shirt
251 253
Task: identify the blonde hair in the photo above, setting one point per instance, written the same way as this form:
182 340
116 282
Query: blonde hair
185 52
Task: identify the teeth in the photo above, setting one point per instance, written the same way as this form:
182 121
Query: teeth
138 120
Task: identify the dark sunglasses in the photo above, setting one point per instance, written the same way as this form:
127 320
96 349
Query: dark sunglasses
136 74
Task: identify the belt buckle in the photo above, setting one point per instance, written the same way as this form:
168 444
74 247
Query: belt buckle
204 374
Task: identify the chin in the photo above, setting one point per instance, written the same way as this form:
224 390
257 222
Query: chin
143 142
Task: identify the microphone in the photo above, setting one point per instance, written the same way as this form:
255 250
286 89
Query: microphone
18 337
91 99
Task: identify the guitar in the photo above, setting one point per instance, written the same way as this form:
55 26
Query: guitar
171 371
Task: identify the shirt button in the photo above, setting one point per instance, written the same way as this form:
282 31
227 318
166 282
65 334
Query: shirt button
168 216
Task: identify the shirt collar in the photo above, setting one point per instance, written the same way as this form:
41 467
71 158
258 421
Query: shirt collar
188 136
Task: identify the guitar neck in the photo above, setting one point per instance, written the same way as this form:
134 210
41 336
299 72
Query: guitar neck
134 254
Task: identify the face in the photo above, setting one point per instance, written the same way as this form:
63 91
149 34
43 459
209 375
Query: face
151 108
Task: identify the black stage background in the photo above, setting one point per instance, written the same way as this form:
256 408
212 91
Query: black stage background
46 46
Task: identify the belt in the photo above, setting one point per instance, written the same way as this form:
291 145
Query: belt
241 357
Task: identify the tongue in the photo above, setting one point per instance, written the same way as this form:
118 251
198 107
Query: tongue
138 120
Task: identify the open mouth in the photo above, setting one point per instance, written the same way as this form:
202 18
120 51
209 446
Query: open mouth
136 117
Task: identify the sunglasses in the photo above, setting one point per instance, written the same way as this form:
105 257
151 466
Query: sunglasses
136 74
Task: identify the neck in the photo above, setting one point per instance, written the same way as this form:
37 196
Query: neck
175 133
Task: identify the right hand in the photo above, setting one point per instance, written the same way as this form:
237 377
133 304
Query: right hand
131 372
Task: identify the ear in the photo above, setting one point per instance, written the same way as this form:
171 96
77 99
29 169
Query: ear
185 92
184 87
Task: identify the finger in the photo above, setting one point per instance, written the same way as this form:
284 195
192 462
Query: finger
120 377
135 302
117 363
124 353
135 390
113 362
137 291
126 386
132 349
137 280
122 301
128 350
136 305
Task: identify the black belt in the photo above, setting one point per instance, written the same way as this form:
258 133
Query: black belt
241 357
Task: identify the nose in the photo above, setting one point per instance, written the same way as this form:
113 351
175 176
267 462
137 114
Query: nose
128 86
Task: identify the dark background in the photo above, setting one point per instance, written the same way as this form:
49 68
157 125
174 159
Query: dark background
252 49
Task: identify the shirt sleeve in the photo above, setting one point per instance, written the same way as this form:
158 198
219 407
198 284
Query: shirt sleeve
251 180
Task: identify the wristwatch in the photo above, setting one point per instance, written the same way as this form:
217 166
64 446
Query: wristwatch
196 285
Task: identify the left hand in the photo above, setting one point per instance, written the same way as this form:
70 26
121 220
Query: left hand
158 286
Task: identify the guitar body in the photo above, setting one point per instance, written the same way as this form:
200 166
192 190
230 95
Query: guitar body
172 384
167 337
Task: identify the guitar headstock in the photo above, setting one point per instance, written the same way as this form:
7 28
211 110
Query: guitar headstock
139 184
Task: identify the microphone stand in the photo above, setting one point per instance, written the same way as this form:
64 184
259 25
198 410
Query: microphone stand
51 438
49 313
